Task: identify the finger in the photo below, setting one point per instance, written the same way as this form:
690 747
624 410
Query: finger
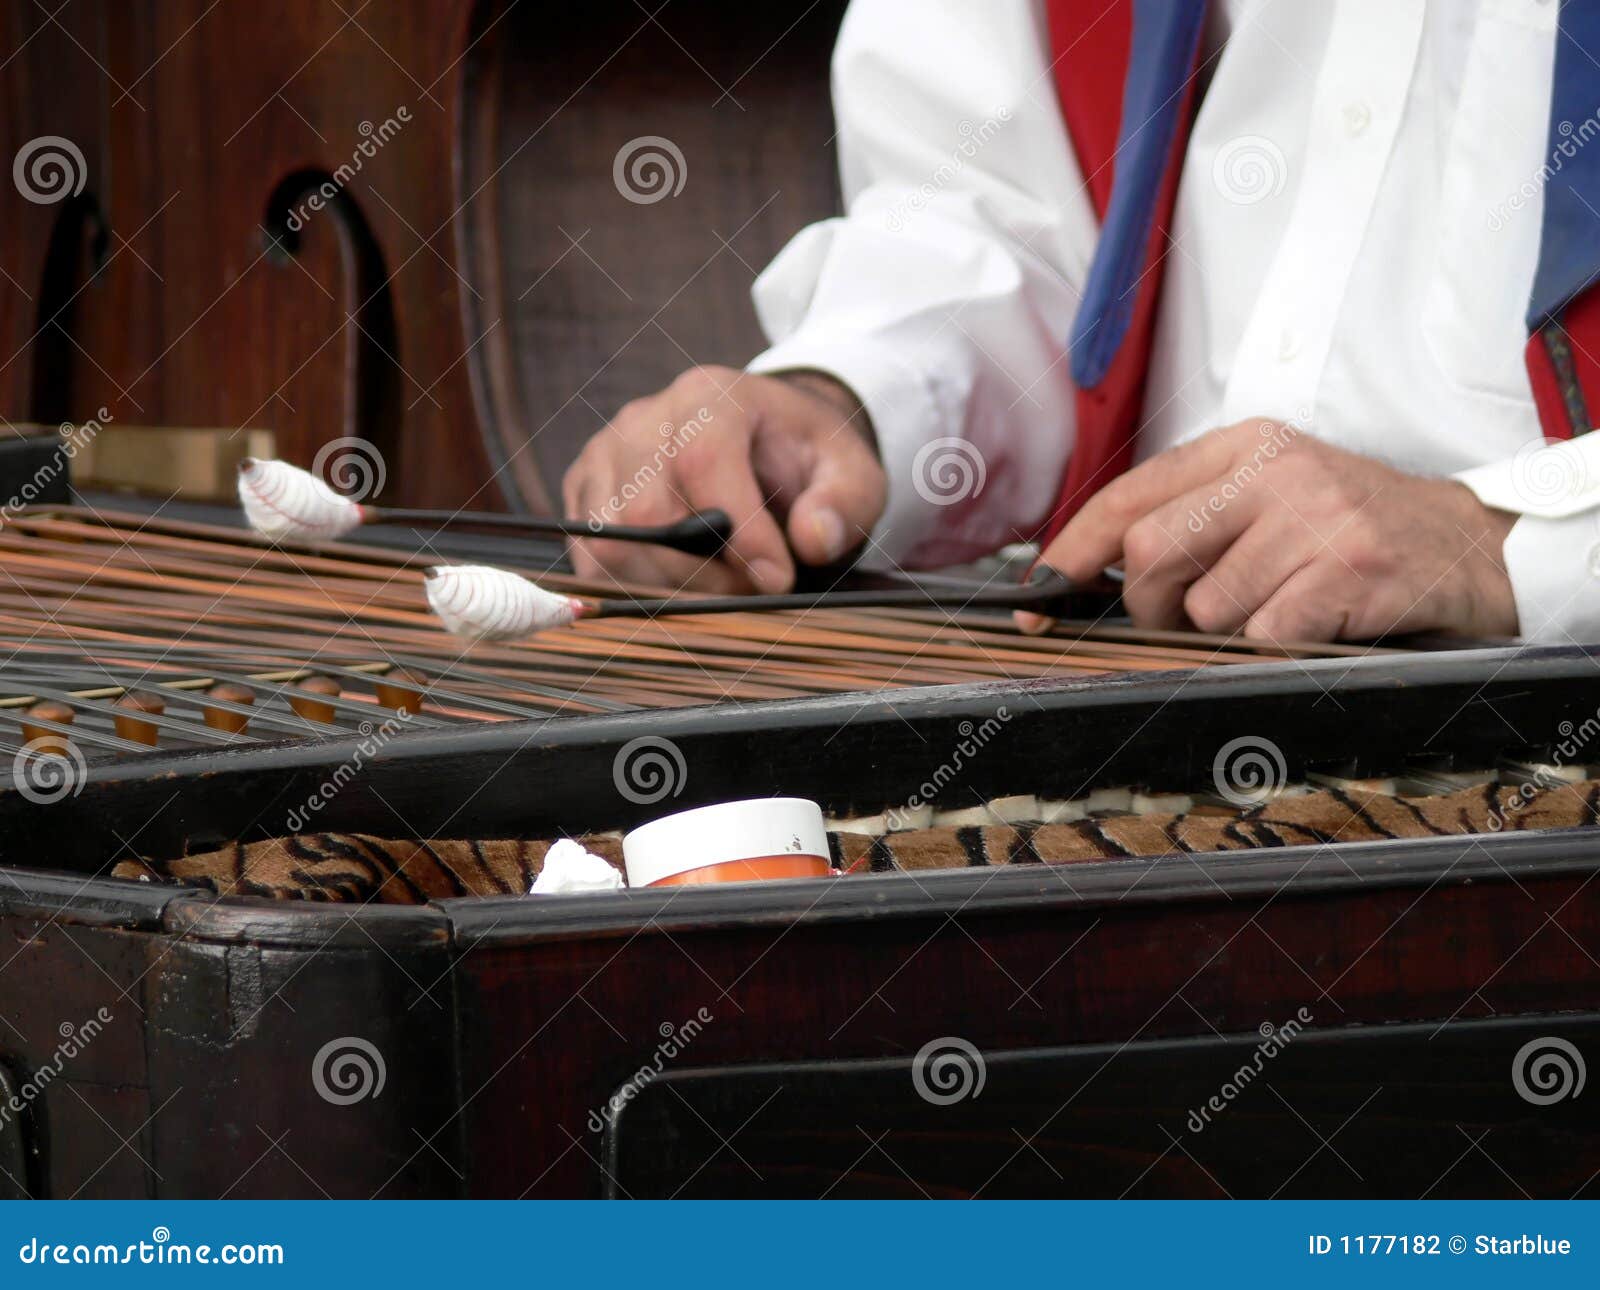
627 566
756 546
1092 539
1247 575
581 486
1166 551
577 486
842 501
639 564
572 488
1312 606
1031 624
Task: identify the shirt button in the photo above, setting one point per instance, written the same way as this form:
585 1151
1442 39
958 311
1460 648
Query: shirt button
1357 117
1288 344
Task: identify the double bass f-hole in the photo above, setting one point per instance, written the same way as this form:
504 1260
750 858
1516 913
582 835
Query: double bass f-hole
373 407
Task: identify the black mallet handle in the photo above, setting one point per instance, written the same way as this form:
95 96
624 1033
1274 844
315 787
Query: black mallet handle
1047 593
704 534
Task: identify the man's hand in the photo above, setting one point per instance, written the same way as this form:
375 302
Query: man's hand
790 458
1260 527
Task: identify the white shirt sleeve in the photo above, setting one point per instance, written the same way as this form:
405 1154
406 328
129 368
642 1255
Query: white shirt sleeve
1552 553
945 295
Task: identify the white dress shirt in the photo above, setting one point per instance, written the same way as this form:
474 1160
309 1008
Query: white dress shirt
1352 249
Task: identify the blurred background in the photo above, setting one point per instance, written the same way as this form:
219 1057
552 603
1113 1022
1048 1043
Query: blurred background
461 232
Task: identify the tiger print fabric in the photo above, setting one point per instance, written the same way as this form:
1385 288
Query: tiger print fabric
356 867
360 868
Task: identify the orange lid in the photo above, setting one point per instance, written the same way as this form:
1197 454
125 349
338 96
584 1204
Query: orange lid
707 835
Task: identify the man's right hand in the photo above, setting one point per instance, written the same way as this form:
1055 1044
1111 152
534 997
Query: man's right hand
790 458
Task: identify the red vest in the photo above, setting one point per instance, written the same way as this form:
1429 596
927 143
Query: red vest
1133 61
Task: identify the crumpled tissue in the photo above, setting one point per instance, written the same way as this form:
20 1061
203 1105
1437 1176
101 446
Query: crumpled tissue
569 867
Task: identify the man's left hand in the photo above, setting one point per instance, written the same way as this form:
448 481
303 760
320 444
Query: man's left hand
1260 527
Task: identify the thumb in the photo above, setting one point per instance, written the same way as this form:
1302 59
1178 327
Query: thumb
841 502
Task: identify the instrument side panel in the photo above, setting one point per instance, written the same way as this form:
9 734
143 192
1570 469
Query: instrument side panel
554 1032
314 1063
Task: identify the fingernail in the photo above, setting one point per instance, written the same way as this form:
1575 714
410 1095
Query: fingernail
767 575
828 528
1032 624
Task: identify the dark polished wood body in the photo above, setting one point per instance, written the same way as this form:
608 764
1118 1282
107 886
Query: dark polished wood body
478 297
1107 1000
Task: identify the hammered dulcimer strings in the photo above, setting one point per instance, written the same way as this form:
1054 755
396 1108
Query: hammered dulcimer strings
87 588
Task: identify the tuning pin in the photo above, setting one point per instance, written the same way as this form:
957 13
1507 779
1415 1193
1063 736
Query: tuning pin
42 739
314 709
401 689
130 707
220 718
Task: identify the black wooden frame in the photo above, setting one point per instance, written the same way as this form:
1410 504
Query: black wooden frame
223 1003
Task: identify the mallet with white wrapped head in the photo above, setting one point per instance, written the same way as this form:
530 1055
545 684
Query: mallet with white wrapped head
485 603
283 503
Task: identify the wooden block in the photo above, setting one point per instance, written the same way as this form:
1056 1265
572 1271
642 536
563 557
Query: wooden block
202 465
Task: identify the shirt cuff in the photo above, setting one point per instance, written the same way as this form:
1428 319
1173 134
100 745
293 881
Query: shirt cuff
1554 479
907 413
1554 566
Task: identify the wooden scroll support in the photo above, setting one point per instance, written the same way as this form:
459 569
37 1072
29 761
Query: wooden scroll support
221 718
314 709
131 707
42 739
401 690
